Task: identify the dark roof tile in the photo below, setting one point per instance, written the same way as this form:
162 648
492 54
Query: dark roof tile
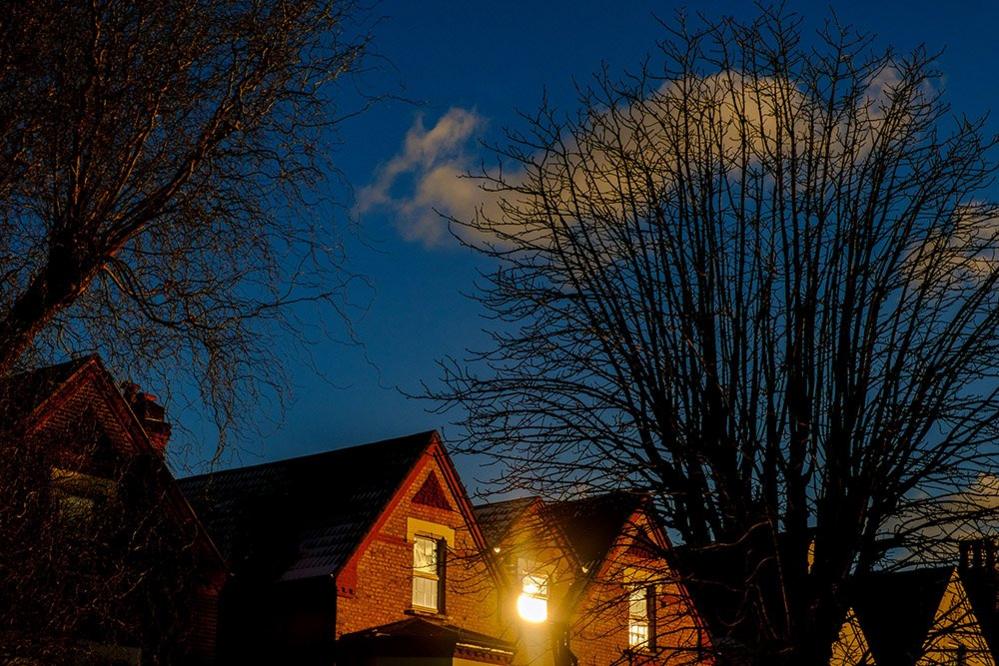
304 516
496 518
592 524
896 610
21 393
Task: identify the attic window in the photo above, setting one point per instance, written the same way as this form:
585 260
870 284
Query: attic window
532 603
76 494
429 555
642 618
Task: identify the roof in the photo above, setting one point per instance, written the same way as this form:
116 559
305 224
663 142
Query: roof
592 524
896 611
429 631
497 518
303 517
22 395
23 392
982 588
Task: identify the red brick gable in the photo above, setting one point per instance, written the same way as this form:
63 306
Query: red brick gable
636 556
375 587
76 415
432 494
83 393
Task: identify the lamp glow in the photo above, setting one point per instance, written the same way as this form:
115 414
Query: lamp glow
532 609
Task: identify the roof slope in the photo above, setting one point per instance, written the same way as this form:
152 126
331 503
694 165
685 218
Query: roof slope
23 392
431 631
982 588
896 610
592 524
496 518
305 516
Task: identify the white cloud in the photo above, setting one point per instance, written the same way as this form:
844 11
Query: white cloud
425 179
435 159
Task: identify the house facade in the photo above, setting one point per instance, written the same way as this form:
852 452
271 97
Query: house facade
587 582
373 555
361 555
921 617
103 561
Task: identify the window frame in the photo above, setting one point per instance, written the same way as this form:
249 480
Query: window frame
77 496
646 620
438 576
539 580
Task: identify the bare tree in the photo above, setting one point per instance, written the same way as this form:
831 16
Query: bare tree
160 181
98 564
758 278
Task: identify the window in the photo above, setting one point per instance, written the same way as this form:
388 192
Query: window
532 603
77 495
642 617
961 655
428 573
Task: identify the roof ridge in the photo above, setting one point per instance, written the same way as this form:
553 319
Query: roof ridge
308 456
78 361
623 493
528 498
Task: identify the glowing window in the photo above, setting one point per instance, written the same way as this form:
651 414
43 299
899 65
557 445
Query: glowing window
77 495
532 603
428 565
641 617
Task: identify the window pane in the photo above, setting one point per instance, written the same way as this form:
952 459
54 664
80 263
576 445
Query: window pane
73 508
638 633
638 606
638 617
426 583
425 556
425 592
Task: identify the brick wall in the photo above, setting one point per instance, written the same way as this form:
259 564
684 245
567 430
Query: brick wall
534 540
379 590
75 422
600 619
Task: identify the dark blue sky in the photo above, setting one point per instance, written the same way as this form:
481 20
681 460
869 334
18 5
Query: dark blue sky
482 62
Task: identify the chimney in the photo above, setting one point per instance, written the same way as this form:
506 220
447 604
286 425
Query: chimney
150 413
977 555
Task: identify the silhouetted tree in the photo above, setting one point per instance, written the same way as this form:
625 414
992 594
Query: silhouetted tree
758 278
99 562
160 172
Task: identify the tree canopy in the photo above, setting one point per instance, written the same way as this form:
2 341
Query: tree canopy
758 278
161 182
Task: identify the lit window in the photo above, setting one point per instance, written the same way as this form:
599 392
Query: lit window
641 617
76 495
428 569
532 603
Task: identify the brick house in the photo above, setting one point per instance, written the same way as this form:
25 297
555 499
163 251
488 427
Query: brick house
538 572
359 555
120 570
598 565
933 615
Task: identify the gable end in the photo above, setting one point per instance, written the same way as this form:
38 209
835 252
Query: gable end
432 494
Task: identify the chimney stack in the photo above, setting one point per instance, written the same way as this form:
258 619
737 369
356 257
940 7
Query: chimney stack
150 413
977 555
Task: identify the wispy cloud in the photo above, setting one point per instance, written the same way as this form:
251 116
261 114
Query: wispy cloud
425 178
429 166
